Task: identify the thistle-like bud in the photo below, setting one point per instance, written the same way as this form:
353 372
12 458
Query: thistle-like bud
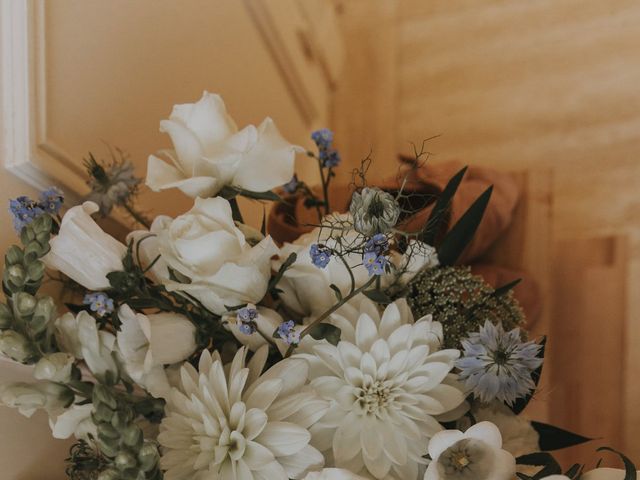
16 346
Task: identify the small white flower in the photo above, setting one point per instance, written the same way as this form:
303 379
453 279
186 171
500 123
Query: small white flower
205 246
83 251
333 474
148 342
211 153
29 397
475 454
237 423
79 336
75 420
55 367
386 380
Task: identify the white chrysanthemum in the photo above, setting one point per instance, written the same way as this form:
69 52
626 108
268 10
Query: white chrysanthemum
234 423
385 380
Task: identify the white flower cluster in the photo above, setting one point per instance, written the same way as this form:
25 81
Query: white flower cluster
299 361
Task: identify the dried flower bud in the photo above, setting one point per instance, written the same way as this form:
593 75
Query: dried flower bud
24 304
374 211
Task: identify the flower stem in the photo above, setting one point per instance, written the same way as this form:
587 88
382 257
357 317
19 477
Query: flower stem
326 314
235 210
137 216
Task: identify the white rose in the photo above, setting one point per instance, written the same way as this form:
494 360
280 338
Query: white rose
29 397
333 474
148 342
80 337
211 153
55 367
205 246
305 287
83 251
76 421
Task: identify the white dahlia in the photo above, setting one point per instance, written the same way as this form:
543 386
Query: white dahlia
386 380
234 423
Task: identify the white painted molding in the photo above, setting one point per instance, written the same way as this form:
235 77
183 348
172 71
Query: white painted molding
26 150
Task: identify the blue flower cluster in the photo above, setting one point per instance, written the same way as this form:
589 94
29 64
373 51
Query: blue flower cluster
24 210
498 365
247 319
99 302
373 258
329 157
320 255
286 331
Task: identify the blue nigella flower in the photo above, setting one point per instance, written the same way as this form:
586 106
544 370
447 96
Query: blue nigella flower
292 185
24 211
51 200
498 364
99 302
374 263
287 333
322 138
329 158
378 244
320 255
247 319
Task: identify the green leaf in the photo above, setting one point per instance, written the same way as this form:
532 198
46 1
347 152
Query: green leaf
263 226
441 209
506 288
555 438
574 470
378 296
461 234
521 403
629 467
329 332
232 192
291 259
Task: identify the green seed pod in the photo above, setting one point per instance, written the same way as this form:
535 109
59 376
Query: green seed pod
17 275
105 430
104 395
109 474
35 271
125 461
42 224
27 235
24 304
101 412
148 456
6 317
45 308
132 436
14 256
16 346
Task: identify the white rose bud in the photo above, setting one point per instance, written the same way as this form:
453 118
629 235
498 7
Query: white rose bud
83 251
148 342
205 245
210 153
55 367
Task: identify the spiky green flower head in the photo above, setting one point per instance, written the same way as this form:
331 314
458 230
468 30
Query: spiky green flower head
461 302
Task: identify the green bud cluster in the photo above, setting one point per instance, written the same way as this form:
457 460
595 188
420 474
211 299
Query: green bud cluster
25 320
120 440
461 302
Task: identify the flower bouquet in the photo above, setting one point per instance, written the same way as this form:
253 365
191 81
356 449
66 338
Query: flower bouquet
200 349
